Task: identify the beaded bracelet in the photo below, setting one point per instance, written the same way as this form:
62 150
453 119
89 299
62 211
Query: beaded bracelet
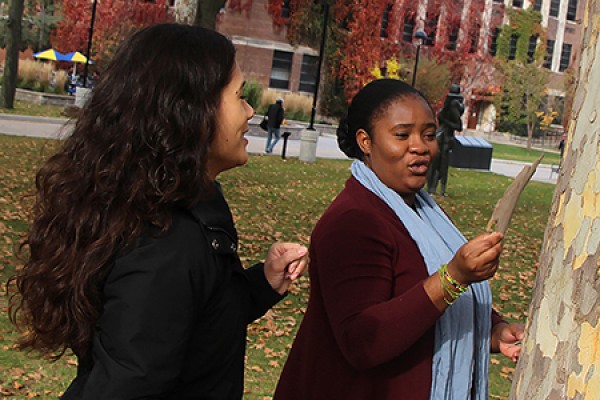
450 286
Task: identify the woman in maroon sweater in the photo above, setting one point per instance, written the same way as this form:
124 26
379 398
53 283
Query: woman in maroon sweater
384 319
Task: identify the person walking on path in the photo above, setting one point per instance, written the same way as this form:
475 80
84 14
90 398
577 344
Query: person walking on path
131 261
400 306
275 116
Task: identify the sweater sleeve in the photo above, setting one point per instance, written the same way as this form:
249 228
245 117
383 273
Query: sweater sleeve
496 318
151 297
262 294
372 324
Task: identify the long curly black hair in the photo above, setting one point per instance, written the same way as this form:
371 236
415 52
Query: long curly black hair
138 150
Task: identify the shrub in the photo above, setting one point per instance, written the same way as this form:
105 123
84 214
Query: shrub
253 91
60 77
515 128
45 72
27 74
297 106
40 77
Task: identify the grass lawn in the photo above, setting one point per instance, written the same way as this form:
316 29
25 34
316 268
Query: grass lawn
274 200
518 153
37 110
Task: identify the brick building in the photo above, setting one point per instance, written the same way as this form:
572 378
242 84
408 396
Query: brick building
264 53
266 56
560 18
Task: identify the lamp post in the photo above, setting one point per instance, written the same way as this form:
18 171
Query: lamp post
309 136
89 44
420 36
320 62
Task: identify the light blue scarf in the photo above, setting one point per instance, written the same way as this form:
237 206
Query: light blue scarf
462 334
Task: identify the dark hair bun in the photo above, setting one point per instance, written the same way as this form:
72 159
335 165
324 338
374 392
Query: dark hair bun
347 140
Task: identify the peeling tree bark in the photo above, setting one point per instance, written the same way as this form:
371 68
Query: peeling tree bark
561 353
506 205
198 12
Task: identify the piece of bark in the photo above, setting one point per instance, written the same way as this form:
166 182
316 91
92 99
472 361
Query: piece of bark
506 205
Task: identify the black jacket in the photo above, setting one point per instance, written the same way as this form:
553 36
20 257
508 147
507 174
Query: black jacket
275 115
176 309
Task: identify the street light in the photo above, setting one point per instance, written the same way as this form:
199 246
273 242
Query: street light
320 62
420 36
89 44
309 136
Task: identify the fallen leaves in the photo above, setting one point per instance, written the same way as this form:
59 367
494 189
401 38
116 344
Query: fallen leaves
273 201
507 372
18 383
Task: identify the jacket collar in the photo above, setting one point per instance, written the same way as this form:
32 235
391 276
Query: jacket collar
215 213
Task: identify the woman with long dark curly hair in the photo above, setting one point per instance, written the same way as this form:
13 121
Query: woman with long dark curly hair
132 255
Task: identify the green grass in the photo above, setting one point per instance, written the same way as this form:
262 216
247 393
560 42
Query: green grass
271 200
518 153
37 110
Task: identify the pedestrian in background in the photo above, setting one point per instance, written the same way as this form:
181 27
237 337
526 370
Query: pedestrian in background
275 116
561 145
132 259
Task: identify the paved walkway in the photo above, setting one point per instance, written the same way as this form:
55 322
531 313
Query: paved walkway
326 144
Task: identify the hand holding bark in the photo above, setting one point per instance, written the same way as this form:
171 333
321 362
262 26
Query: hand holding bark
477 260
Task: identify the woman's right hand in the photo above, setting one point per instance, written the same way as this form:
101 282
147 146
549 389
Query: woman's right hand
285 263
477 260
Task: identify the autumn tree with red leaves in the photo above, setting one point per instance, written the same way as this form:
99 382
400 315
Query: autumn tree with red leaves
363 35
115 20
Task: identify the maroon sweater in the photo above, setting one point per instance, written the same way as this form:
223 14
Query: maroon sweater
368 331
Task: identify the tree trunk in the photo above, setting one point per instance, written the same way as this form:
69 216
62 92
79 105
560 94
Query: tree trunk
207 11
530 130
11 59
560 357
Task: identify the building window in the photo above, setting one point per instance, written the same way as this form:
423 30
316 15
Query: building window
452 35
549 53
512 52
494 42
285 9
347 20
537 5
409 26
565 57
385 20
554 7
308 73
531 48
572 10
280 69
431 28
517 3
474 38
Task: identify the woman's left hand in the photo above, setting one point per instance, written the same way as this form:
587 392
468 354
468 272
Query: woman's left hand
506 339
285 263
